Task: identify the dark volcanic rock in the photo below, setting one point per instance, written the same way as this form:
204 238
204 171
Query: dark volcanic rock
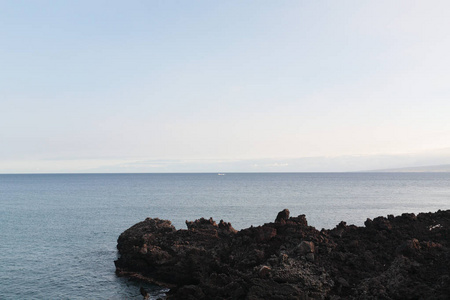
282 216
404 257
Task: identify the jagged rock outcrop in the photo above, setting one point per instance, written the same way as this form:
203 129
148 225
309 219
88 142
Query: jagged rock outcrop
403 257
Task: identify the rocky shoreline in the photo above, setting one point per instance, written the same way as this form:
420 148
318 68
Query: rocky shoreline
402 257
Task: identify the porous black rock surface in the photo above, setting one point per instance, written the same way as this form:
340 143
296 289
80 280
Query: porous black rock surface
402 257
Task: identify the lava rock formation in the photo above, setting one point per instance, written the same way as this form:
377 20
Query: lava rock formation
402 257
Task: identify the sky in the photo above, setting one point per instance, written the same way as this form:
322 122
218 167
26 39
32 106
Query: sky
248 86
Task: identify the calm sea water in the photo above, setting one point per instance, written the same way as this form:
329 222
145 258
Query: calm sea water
59 232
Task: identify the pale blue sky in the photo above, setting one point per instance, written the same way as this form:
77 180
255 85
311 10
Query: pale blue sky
99 85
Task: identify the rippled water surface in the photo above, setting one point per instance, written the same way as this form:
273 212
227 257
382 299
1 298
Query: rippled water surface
59 232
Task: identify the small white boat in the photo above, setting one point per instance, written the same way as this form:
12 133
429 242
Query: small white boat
221 174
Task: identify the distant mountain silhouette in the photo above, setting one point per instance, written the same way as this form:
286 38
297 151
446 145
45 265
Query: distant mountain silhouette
436 168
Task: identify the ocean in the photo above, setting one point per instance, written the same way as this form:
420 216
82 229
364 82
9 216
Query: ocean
59 231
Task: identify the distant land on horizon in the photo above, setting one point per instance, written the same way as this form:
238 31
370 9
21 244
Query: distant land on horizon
434 160
435 168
